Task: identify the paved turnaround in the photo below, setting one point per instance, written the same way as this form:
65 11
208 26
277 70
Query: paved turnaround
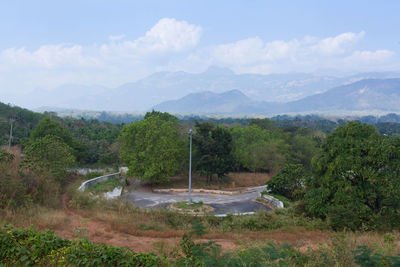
223 204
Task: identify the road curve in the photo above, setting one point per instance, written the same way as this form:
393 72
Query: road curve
223 204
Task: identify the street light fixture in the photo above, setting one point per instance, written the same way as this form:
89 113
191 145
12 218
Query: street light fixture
190 133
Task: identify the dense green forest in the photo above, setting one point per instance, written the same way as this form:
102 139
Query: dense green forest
291 139
23 121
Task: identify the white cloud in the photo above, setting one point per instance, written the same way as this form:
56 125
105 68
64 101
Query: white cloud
304 55
47 56
172 45
169 35
112 63
339 44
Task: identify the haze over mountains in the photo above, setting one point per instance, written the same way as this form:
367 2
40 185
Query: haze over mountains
221 91
365 95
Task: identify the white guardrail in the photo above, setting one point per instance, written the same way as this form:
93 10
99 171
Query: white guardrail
99 179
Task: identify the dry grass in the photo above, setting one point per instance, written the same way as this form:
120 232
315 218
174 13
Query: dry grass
123 227
39 217
247 179
232 181
376 241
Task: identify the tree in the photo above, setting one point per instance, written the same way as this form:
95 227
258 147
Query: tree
289 182
49 155
152 149
265 124
165 116
213 150
356 179
302 147
257 149
51 127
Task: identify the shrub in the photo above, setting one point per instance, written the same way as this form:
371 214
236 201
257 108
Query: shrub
29 247
289 182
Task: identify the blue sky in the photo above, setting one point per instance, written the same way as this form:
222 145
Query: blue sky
49 43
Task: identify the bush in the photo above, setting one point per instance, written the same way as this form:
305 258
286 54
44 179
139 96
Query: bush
29 247
289 182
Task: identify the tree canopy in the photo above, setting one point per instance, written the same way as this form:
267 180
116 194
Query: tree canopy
289 182
49 155
356 179
257 149
49 127
152 149
213 150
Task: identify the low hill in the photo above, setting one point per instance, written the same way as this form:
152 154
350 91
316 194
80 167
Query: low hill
369 94
230 102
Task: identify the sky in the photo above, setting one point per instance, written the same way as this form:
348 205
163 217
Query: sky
45 44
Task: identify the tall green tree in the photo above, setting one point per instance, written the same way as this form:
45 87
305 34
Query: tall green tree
302 146
257 149
213 150
49 155
49 127
152 149
356 179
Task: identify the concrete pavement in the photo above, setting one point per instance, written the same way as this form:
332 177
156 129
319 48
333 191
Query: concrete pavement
223 204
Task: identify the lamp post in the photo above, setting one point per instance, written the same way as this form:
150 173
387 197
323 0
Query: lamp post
190 133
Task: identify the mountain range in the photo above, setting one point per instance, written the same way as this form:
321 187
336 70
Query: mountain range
142 95
365 95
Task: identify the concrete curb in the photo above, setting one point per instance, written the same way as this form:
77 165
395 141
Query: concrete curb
208 191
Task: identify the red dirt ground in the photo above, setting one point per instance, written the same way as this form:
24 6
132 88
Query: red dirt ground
80 226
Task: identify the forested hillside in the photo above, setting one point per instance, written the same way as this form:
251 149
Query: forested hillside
94 141
23 122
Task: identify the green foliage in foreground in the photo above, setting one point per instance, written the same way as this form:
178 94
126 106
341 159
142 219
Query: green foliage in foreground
339 253
27 247
33 248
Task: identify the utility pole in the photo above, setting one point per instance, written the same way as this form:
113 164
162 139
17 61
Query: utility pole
190 133
11 132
